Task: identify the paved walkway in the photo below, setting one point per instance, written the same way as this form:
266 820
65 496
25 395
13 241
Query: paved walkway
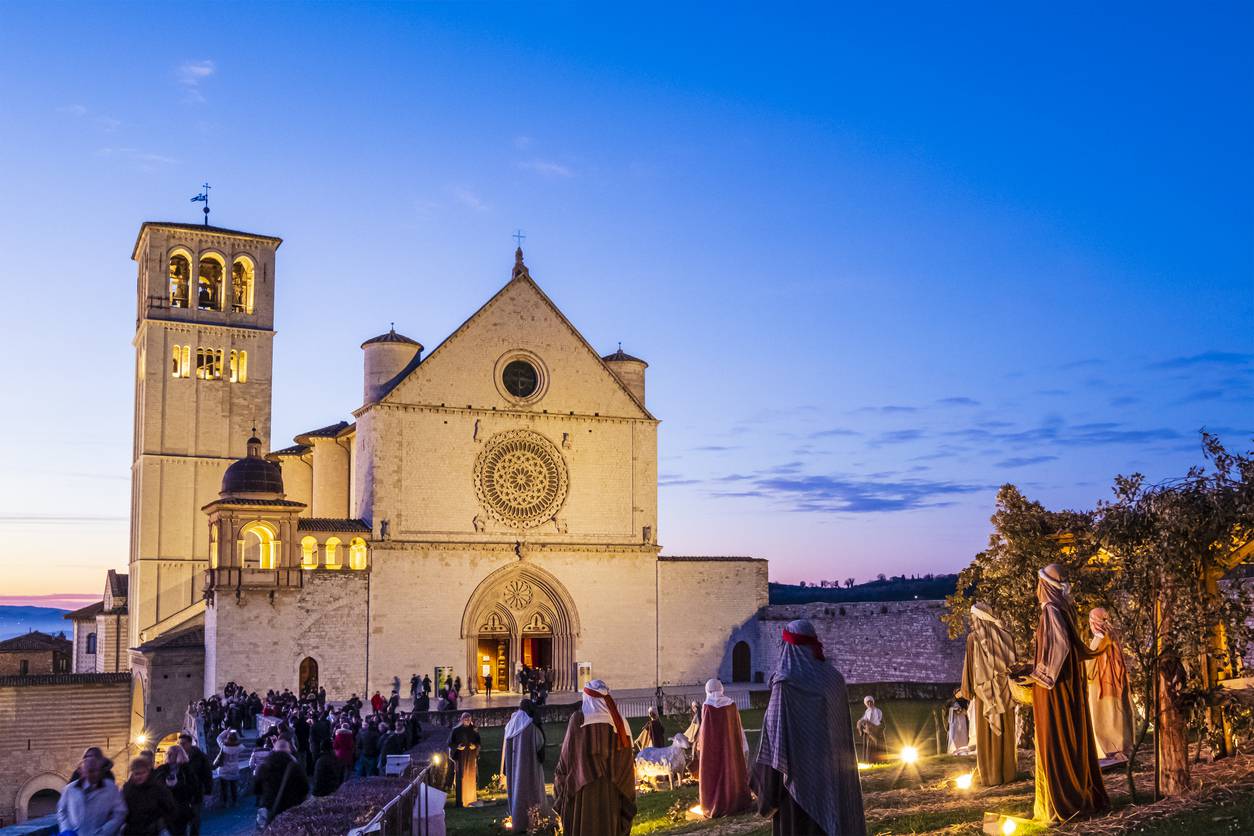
509 699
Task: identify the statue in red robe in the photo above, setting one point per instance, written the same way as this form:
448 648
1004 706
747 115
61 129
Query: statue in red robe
723 749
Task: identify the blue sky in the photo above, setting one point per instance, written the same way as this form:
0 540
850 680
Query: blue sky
879 262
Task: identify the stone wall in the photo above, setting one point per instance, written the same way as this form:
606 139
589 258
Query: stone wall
259 643
895 641
708 604
47 721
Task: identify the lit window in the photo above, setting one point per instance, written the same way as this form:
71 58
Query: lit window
239 366
333 554
308 553
242 285
261 549
180 280
180 361
209 293
357 554
209 363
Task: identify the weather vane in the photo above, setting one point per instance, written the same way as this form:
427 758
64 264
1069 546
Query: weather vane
519 238
203 197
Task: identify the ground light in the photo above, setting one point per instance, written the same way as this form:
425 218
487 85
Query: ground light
695 813
998 824
963 781
909 755
862 765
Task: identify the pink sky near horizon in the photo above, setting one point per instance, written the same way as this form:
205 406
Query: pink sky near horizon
58 600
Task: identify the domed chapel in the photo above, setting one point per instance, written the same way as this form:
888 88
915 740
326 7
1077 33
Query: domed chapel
490 504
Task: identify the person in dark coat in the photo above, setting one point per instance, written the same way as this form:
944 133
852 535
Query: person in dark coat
426 685
463 753
149 803
280 782
183 785
198 763
391 743
367 750
327 772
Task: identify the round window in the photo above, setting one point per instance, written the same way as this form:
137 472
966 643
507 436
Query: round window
520 378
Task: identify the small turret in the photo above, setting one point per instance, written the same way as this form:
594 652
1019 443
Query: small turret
387 355
629 370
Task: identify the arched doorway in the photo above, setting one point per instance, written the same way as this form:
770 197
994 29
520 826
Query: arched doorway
308 682
742 662
520 615
42 803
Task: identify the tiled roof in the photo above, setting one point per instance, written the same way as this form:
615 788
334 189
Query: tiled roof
34 642
675 558
331 524
267 503
65 679
329 431
118 584
88 612
621 355
392 337
190 638
294 450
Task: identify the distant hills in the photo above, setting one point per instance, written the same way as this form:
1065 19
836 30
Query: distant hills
901 588
14 621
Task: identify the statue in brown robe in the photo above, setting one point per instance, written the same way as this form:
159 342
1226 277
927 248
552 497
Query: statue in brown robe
1110 698
595 780
986 683
722 772
1068 780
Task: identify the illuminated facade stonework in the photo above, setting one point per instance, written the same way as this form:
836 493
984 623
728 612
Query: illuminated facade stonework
491 504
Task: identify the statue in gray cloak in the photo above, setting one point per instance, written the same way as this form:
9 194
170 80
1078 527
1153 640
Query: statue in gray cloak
522 764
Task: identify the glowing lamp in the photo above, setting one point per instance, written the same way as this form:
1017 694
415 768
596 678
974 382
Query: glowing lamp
909 754
695 813
963 781
1008 827
435 759
999 824
141 740
507 823
862 765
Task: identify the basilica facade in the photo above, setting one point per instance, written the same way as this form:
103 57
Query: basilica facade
487 505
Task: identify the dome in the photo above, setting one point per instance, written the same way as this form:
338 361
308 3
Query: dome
392 337
253 474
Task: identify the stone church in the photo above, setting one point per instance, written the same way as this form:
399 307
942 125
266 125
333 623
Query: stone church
492 503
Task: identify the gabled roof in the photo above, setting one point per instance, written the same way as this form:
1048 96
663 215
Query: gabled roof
192 637
87 613
34 642
332 524
521 275
118 583
216 230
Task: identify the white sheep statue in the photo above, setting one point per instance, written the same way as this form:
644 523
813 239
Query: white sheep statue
670 761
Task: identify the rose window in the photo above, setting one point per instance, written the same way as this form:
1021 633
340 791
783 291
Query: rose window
520 478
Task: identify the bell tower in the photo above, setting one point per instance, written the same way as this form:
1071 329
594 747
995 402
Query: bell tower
204 332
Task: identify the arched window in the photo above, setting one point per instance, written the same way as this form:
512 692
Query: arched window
213 547
180 280
242 285
308 553
357 554
260 546
239 366
209 288
333 553
91 644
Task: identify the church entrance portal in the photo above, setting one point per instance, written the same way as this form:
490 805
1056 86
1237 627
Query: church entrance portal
308 676
493 659
741 660
521 615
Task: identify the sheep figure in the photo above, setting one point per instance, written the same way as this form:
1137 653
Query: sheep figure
670 761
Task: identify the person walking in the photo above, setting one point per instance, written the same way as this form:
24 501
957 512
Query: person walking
91 805
149 803
328 774
230 752
184 786
280 785
198 763
487 685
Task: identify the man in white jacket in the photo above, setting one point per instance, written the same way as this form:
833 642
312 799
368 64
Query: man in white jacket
92 805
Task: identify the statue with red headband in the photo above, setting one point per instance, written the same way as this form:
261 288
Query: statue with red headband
594 783
806 771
